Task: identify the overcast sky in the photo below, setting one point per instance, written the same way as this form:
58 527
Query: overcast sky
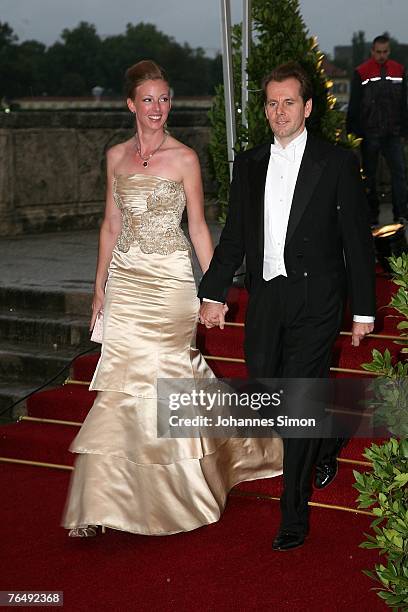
197 21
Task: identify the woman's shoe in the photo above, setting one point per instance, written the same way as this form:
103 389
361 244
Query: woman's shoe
85 532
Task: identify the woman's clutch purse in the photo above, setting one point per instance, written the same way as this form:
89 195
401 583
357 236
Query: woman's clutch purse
97 332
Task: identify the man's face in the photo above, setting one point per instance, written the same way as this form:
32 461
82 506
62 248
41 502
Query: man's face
380 52
285 109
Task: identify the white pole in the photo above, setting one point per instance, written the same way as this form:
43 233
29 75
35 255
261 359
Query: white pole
246 48
228 79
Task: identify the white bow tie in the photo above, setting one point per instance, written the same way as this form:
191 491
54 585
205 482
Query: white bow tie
288 154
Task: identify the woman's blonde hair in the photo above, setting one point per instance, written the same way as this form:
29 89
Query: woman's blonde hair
145 70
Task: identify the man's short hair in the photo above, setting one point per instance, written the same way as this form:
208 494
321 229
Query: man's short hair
382 40
290 70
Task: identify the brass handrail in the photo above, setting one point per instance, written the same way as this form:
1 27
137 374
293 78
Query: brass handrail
73 381
342 333
53 421
233 493
56 466
313 504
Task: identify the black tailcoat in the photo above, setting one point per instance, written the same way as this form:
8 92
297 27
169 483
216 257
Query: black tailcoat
292 322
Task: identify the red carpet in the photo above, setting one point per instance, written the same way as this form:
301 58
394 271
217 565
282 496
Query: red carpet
226 566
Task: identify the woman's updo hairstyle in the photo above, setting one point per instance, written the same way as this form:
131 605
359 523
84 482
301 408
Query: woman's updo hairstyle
145 70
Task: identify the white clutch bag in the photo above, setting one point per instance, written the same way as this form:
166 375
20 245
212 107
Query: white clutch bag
97 332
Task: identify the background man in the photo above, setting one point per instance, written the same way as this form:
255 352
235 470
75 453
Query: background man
298 213
378 113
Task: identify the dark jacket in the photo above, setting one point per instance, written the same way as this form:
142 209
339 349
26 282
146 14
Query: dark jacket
378 100
328 233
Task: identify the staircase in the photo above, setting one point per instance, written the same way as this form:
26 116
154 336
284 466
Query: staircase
40 332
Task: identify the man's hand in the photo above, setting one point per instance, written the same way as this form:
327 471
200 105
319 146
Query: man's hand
212 314
359 330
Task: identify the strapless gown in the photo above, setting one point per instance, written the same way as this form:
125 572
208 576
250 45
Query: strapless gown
125 477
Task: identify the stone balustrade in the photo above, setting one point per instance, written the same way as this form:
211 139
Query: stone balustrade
52 165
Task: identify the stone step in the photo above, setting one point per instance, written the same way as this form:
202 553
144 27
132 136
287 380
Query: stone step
52 331
26 363
17 298
11 393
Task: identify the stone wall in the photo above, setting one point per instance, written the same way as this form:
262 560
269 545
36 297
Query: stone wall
52 166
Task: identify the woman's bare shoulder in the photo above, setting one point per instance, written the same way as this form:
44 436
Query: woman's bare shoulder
115 153
185 154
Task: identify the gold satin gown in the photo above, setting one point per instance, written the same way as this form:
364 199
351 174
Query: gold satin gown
126 477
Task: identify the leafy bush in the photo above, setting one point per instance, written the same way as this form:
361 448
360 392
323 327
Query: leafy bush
386 487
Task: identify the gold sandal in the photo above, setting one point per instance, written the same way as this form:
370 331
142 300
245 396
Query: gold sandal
85 532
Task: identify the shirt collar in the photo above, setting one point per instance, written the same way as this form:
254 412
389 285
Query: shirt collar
293 149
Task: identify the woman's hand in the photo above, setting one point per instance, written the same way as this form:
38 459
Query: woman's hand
212 314
97 306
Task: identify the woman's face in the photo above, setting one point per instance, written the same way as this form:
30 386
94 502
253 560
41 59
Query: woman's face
151 104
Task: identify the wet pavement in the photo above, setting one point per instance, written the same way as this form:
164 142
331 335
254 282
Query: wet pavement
64 261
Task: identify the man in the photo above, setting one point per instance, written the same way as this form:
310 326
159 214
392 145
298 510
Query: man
298 213
378 113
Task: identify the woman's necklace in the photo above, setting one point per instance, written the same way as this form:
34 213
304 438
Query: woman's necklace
146 158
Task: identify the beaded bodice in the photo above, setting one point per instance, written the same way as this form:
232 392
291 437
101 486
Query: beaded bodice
151 208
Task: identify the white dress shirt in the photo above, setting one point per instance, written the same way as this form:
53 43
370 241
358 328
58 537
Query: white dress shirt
281 177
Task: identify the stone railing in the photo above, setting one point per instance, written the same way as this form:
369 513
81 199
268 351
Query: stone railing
52 165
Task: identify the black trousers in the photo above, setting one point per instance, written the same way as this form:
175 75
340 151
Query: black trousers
392 149
290 330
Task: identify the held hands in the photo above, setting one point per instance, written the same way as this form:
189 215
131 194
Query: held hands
359 330
213 314
97 306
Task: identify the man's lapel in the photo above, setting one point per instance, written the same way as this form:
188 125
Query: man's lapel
310 172
259 169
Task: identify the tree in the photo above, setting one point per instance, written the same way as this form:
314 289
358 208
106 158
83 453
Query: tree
30 70
359 48
81 59
189 71
79 53
280 35
7 36
72 84
8 58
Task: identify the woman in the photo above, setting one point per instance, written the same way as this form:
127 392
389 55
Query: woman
125 476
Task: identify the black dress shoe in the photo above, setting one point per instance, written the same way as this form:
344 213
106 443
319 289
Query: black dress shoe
325 473
287 540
